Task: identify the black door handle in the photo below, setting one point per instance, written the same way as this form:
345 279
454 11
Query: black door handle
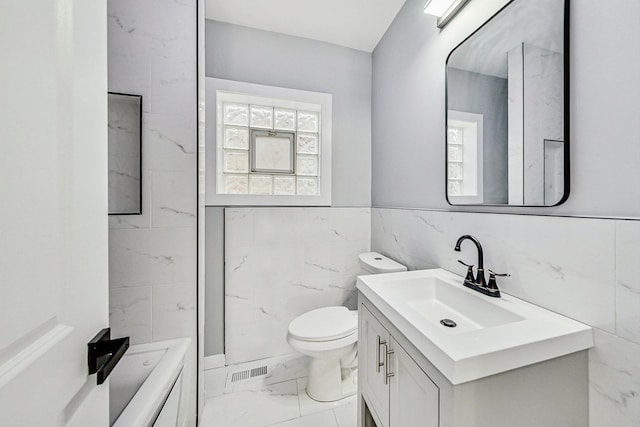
105 353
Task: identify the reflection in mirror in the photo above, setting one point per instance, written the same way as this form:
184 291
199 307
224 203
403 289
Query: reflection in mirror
124 140
506 115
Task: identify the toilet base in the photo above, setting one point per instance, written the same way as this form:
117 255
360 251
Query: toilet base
327 383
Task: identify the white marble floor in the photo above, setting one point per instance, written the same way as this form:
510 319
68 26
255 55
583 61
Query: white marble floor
277 400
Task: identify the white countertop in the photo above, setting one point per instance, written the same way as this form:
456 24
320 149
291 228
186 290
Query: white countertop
493 334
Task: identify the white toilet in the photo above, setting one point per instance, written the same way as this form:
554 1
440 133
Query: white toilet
329 336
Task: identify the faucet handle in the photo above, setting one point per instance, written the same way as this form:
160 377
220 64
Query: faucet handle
493 285
469 278
494 274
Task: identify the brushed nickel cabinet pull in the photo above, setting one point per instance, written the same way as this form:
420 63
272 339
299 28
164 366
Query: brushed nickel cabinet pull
387 374
378 362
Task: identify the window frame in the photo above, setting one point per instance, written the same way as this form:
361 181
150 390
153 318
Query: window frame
472 155
268 96
254 133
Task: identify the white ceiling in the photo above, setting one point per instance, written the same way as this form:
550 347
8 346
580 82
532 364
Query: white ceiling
358 24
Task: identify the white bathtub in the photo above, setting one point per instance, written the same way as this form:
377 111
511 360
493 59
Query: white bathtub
146 384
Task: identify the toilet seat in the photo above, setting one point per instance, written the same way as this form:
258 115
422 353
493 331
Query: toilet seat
328 348
324 324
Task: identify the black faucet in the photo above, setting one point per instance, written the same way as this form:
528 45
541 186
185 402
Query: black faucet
478 283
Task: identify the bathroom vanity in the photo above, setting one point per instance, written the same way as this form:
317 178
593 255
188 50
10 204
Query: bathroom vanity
506 363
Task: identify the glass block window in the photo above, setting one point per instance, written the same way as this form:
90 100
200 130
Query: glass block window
272 152
464 157
268 148
455 160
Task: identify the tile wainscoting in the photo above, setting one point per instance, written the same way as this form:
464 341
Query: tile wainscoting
583 268
282 262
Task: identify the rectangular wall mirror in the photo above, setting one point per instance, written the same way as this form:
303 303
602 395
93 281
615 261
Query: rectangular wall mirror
125 154
507 109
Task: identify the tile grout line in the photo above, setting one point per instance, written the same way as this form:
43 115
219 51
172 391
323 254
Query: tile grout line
298 398
265 387
615 278
335 417
300 415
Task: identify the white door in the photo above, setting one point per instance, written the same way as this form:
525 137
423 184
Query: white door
414 398
53 210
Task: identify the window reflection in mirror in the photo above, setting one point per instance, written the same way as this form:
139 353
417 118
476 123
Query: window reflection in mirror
464 148
507 118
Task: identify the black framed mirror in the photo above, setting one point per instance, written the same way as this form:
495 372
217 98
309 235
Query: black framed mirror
507 109
125 153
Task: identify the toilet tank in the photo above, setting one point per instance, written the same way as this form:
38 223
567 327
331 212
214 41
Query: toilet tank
375 263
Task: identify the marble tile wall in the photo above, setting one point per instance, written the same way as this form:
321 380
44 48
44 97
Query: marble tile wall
282 262
152 265
151 47
586 269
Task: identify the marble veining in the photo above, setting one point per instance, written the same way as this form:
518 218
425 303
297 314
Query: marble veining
322 419
302 285
627 282
428 223
130 313
244 403
583 268
152 255
282 262
152 53
254 408
171 205
321 267
573 276
614 382
161 137
169 143
174 311
176 211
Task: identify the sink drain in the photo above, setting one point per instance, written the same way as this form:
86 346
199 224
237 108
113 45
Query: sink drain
448 323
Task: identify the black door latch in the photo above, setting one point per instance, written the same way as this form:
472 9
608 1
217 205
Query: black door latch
105 353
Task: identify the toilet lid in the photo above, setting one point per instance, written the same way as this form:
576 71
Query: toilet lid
324 324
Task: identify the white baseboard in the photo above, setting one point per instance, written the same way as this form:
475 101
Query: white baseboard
215 361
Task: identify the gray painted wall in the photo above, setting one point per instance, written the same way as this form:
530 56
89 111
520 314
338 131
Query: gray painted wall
408 108
486 95
255 56
553 261
214 281
244 54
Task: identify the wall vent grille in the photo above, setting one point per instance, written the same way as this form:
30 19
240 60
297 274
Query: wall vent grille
248 374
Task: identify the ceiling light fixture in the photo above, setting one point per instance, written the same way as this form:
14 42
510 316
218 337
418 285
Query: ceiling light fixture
445 10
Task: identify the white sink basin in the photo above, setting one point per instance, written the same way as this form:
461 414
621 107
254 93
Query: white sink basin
435 299
491 335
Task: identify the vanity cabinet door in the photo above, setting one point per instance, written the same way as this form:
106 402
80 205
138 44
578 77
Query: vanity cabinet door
414 398
373 342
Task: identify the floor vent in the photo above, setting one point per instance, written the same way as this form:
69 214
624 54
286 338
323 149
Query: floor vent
248 374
